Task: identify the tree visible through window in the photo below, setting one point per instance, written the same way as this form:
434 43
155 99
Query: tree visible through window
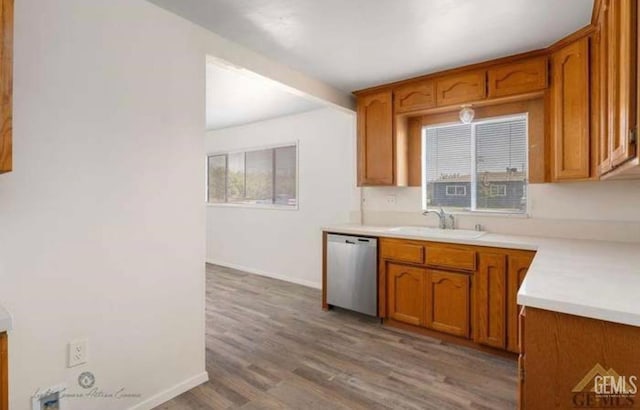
476 167
266 176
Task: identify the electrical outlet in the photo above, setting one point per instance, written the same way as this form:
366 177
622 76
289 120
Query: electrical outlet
391 199
77 352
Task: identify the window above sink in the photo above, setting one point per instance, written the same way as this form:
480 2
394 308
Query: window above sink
477 167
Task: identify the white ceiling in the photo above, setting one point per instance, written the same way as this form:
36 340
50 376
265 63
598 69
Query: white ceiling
359 43
236 97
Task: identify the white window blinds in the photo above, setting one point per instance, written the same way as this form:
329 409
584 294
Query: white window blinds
485 160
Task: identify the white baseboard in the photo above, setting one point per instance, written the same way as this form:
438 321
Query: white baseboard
307 283
170 393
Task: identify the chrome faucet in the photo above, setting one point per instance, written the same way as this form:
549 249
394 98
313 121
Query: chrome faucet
442 216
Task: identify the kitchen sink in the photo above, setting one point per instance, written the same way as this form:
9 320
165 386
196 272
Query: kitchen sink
436 232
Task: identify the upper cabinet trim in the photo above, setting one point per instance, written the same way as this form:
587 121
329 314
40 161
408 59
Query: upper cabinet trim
458 70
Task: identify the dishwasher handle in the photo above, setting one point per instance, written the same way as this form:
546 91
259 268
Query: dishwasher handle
352 240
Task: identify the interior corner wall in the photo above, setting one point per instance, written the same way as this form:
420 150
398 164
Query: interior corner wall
287 244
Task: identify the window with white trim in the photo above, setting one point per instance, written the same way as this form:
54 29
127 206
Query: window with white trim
478 167
254 177
456 190
498 190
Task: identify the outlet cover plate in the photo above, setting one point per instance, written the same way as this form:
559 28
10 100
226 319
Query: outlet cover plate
77 352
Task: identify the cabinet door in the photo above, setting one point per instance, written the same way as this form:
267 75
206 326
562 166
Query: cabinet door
6 85
621 79
4 374
461 88
415 96
521 359
491 291
448 302
406 293
518 264
375 139
570 112
601 92
518 78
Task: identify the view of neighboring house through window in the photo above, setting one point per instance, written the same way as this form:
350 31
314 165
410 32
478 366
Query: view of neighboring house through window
456 190
476 167
256 177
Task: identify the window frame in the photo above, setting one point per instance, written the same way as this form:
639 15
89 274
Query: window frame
272 206
472 210
502 192
455 189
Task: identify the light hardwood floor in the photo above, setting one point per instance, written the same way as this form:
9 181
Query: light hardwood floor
270 346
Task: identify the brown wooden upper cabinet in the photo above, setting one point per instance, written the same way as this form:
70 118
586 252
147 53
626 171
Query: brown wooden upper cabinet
518 78
599 89
376 142
6 84
588 82
617 36
570 113
461 88
414 96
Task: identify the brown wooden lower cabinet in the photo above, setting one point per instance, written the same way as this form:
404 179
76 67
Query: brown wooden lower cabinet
448 302
518 265
434 299
406 296
491 300
4 372
461 290
571 362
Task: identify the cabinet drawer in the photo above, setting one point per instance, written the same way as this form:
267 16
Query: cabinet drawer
451 258
518 78
415 96
462 88
402 251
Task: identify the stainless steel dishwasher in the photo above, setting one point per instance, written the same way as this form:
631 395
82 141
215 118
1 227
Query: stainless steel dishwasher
352 271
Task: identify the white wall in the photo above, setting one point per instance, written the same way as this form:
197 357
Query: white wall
102 220
606 210
101 223
284 243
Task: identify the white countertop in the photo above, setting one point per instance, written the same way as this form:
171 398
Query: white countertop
5 320
595 279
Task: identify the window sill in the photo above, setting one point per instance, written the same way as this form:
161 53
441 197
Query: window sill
255 206
485 213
